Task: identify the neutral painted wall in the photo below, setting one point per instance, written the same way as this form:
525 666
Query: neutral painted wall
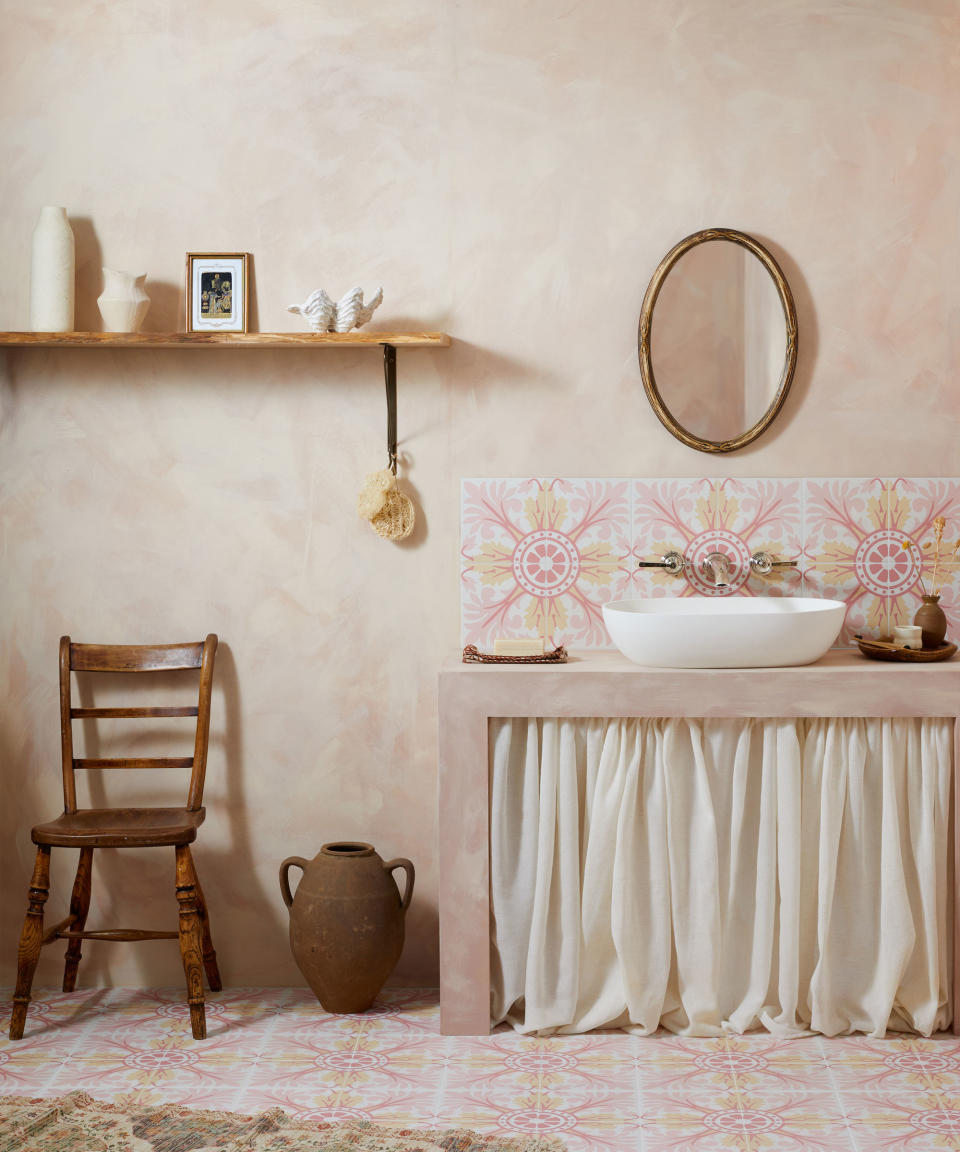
511 173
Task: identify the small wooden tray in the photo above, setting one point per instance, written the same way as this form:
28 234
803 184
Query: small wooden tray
875 651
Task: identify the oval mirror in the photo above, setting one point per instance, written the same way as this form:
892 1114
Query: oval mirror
718 340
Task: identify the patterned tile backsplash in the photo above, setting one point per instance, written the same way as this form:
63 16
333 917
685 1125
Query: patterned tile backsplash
540 557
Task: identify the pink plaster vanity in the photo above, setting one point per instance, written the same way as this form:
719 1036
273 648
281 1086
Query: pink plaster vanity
842 683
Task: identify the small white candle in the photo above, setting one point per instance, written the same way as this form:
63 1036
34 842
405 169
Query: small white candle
909 635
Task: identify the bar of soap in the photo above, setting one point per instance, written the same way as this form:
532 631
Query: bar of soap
503 646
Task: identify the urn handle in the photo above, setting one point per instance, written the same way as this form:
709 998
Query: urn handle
406 865
284 879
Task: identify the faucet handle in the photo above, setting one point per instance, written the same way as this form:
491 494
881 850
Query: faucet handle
673 563
763 563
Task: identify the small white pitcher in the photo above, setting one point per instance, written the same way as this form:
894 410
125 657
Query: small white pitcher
123 303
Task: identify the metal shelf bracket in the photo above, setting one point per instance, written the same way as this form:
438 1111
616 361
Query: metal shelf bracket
390 379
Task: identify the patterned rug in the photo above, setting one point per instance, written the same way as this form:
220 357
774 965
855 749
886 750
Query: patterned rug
78 1123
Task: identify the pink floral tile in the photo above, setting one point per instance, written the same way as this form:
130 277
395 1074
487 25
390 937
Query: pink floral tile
896 1067
321 1101
542 1092
154 1061
737 1063
408 1012
913 507
508 1057
605 1091
558 1085
864 543
921 1124
50 1012
540 557
368 1056
736 517
30 1064
320 1106
741 1121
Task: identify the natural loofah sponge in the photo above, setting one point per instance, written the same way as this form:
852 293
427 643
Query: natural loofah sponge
374 493
396 518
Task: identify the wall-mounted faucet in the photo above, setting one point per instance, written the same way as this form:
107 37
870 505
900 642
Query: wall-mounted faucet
716 567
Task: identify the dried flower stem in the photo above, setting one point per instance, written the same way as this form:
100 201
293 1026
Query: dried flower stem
949 562
939 524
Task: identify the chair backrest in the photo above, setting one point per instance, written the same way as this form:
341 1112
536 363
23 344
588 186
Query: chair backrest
137 658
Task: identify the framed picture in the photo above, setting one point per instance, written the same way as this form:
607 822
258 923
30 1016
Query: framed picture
217 291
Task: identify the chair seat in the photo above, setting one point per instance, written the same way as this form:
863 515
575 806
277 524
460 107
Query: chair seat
120 828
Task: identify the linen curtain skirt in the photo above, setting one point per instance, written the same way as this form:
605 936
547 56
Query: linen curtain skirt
712 876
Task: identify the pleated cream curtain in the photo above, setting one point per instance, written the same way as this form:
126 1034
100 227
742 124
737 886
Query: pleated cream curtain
713 876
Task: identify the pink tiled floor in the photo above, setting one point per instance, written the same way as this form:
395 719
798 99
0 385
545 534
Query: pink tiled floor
276 1047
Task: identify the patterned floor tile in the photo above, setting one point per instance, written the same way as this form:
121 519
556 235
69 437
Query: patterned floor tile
923 1124
320 1107
51 1012
895 1067
555 1104
553 1085
744 1121
747 1063
156 1061
606 1091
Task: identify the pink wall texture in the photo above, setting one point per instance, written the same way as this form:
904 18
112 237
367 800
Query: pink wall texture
511 173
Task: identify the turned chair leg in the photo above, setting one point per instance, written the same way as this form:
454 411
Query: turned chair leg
79 907
209 953
31 941
191 940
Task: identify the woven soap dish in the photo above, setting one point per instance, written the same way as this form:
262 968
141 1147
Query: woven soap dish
472 655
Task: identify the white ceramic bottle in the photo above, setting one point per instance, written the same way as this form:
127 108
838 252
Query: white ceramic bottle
52 270
123 302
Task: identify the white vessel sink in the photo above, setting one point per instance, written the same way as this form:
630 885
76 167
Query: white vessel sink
724 631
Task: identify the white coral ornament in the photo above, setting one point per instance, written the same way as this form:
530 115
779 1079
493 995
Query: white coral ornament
323 315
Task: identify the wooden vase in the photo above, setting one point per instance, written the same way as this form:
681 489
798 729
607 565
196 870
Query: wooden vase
933 622
346 922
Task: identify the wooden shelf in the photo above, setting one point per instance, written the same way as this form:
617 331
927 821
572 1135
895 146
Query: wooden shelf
388 341
223 339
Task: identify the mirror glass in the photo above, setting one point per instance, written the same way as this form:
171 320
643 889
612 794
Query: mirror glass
720 340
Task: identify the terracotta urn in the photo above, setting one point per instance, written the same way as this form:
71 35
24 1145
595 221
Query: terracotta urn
933 622
346 922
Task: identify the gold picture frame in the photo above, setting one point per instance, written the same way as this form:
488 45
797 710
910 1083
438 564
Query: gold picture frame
217 291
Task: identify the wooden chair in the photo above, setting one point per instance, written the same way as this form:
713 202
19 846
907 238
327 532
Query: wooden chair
92 828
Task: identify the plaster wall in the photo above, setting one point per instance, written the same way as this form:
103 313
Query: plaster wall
511 173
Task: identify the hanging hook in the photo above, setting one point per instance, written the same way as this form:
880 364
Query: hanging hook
390 379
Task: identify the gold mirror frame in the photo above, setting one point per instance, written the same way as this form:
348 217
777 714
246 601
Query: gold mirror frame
664 415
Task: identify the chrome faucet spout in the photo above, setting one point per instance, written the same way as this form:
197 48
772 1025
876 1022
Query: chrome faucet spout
716 567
